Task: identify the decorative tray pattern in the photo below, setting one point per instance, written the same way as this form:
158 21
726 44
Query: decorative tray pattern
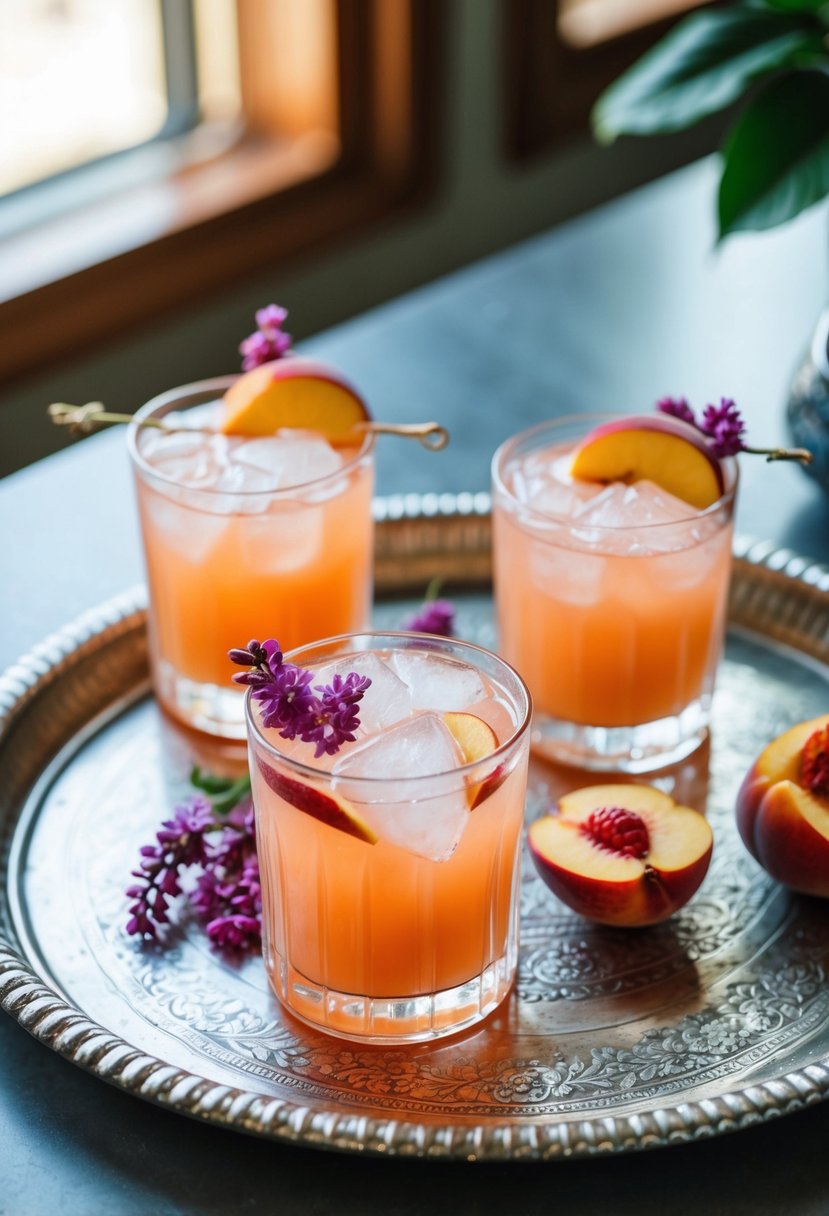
612 1041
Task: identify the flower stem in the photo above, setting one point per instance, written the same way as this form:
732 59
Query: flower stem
801 454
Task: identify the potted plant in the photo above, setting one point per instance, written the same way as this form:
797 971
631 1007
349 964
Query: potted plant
772 56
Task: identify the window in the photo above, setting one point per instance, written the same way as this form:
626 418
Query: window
172 146
560 54
584 23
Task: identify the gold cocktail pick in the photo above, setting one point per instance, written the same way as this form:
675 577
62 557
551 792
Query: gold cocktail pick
84 419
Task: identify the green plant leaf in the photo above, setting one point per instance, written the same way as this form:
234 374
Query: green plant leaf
797 6
777 154
706 62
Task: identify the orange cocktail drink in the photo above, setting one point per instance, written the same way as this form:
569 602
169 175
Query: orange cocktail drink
239 533
611 601
390 870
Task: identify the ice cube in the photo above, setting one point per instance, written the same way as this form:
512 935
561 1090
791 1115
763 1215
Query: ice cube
567 574
282 539
183 457
547 487
643 503
244 491
289 458
190 533
437 683
385 703
431 824
629 517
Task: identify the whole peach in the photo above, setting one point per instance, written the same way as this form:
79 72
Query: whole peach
783 807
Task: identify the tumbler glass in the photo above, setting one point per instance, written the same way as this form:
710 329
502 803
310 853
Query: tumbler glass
242 536
390 871
611 602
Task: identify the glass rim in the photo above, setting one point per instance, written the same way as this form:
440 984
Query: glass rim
217 385
506 449
436 642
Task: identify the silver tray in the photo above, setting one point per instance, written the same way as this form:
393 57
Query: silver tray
612 1041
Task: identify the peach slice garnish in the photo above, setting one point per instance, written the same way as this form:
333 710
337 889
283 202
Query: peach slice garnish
294 393
624 855
324 805
656 448
477 740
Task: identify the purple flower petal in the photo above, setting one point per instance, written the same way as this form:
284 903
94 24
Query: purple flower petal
677 407
269 341
725 428
436 616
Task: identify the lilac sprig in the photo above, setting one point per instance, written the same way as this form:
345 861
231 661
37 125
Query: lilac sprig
269 341
677 407
220 852
228 892
325 715
435 615
724 428
180 842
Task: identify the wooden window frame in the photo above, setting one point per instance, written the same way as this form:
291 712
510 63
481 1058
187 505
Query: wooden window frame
253 207
550 87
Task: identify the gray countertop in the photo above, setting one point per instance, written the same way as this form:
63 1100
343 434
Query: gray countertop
614 310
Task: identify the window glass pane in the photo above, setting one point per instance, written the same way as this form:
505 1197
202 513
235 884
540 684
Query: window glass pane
78 79
217 52
583 23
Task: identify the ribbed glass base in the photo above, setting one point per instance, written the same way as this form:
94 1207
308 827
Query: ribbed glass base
207 707
410 1019
626 749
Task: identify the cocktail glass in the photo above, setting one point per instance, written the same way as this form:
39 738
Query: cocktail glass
230 556
611 602
411 933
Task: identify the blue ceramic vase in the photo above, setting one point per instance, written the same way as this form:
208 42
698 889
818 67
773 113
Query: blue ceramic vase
807 411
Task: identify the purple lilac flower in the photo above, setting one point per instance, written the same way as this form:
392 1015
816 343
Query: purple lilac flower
724 427
235 932
677 407
269 341
436 616
228 893
264 657
288 702
180 842
335 714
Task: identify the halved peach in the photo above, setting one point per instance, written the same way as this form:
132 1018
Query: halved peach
294 393
783 807
622 855
477 740
325 805
657 448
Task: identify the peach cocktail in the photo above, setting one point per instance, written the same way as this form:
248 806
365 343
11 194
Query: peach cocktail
241 530
611 588
390 869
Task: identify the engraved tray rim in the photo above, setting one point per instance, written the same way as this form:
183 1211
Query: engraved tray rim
49 1017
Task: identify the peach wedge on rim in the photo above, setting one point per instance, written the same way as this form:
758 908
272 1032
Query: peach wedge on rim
654 448
294 392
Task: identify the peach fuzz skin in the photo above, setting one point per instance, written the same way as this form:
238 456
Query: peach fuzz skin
784 826
616 890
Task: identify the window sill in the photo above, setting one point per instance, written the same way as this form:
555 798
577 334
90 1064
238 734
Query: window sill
124 259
